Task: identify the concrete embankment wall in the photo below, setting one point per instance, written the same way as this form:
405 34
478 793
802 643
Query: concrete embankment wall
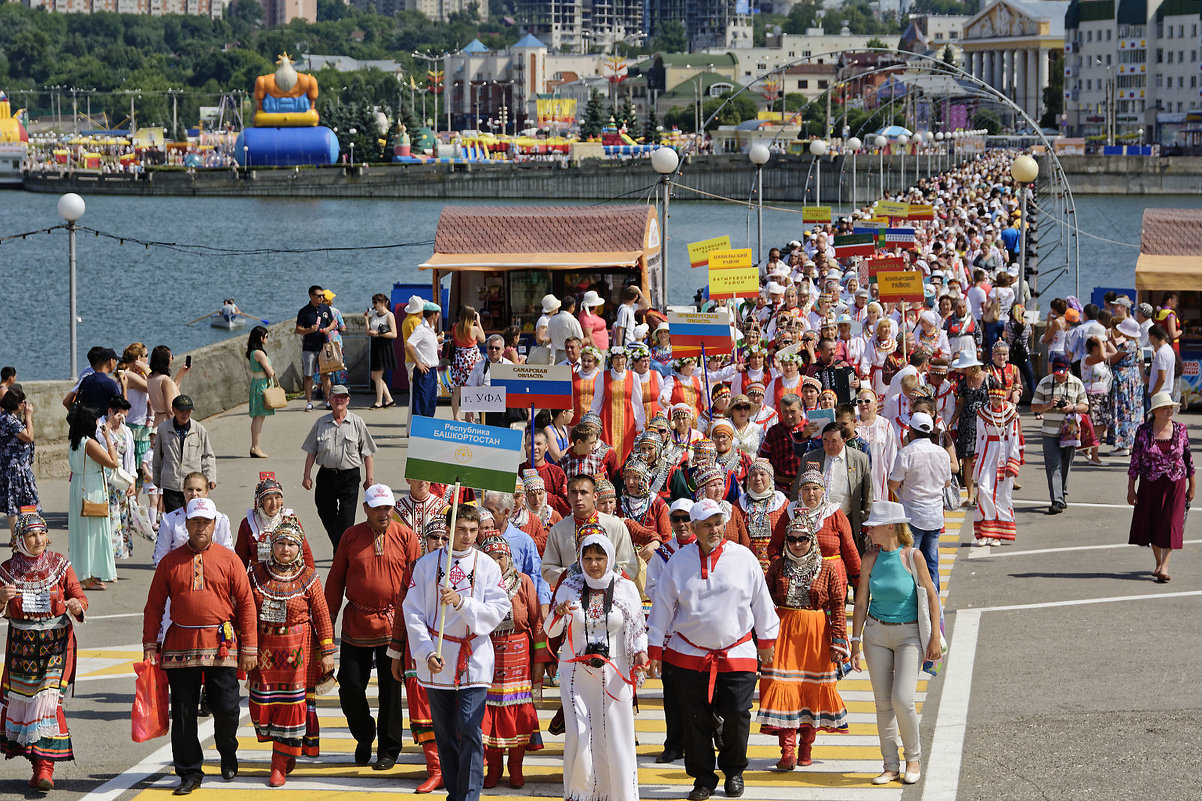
218 381
786 179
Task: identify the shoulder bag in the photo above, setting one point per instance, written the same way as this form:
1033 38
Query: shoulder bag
93 508
329 358
924 616
274 396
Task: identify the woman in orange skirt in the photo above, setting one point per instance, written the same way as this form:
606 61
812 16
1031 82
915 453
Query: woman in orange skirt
510 721
798 692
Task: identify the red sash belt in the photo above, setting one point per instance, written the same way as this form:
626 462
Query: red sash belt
465 652
711 658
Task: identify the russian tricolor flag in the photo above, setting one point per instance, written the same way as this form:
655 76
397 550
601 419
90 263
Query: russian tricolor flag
900 237
528 385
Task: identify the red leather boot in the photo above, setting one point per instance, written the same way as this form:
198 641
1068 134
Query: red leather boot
492 776
43 775
433 770
279 769
516 755
788 750
806 745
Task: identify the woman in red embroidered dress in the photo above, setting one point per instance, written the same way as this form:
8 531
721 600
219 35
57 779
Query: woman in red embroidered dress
510 721
764 508
292 614
830 525
254 535
38 590
618 399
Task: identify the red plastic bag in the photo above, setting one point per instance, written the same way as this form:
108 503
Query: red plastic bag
150 702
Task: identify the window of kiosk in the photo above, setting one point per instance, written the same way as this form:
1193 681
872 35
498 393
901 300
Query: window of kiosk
526 291
485 292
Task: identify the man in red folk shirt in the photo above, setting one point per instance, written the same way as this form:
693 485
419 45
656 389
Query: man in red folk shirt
372 563
210 599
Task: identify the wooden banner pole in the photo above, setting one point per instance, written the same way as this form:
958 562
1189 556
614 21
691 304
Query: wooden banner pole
442 611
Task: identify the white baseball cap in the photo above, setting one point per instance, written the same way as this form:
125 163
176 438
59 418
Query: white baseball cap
202 507
707 508
922 422
379 495
681 505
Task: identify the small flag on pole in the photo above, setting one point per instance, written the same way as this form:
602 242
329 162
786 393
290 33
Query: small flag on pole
899 237
854 245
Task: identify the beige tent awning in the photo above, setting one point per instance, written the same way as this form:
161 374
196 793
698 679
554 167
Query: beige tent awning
1160 273
451 262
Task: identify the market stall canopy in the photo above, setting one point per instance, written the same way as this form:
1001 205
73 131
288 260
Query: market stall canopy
550 237
1170 250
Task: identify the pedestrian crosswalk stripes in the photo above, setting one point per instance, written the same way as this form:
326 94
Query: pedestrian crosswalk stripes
844 764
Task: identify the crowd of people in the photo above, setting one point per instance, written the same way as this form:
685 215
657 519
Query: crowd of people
747 499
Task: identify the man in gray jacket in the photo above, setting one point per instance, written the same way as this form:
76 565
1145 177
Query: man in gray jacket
181 447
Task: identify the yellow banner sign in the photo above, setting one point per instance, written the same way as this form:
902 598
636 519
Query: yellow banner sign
730 259
921 211
892 208
895 287
735 282
699 252
816 214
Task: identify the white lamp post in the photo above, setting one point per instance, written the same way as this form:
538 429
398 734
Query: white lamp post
928 138
880 143
664 161
71 207
759 155
1024 170
904 140
818 150
854 144
352 132
939 158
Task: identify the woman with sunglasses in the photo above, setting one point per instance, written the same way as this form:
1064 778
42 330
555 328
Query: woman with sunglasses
798 691
830 525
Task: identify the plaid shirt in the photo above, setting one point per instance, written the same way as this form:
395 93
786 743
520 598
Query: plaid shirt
601 463
778 449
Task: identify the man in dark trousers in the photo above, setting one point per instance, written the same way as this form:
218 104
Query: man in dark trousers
314 322
342 448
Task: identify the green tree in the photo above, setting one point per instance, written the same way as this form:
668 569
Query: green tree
1053 93
627 115
984 118
949 56
651 125
246 15
594 116
671 38
876 42
802 16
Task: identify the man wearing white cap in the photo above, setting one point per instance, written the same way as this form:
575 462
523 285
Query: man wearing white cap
710 601
920 472
372 562
562 326
211 598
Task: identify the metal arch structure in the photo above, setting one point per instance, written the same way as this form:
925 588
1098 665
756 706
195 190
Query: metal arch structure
1063 207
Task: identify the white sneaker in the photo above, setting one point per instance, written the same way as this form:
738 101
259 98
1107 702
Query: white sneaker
309 407
982 542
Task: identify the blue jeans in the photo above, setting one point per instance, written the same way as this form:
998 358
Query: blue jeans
458 717
927 543
425 392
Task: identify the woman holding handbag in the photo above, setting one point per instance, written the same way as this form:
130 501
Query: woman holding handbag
262 376
89 529
897 620
381 335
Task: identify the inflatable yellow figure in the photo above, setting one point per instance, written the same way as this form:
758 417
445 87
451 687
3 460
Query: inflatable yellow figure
11 129
285 98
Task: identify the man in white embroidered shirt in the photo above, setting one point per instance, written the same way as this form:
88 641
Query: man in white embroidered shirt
456 682
710 599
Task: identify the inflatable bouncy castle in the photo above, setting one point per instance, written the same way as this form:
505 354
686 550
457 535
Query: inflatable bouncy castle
11 129
286 131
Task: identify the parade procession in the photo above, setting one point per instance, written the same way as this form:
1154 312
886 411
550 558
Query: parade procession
648 552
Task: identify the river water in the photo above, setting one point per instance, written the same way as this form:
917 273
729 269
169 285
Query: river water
131 293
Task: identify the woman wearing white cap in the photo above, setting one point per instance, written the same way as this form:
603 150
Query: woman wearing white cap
898 629
596 332
1127 391
1163 465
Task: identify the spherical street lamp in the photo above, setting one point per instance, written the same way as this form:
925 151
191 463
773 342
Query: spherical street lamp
664 160
818 148
71 207
939 136
903 140
854 144
1024 170
758 154
880 141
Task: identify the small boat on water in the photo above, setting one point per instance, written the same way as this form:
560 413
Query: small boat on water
220 320
228 317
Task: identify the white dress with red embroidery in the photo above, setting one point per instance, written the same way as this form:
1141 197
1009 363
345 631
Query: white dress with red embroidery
998 456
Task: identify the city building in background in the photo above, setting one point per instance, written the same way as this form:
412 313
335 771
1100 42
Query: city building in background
1131 71
1009 45
157 8
501 87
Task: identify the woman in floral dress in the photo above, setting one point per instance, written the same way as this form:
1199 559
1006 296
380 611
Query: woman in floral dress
18 488
468 335
120 524
1127 400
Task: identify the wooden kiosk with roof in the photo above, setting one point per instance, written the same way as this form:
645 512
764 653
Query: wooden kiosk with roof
502 260
1170 263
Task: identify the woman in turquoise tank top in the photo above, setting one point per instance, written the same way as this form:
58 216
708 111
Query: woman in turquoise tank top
886 614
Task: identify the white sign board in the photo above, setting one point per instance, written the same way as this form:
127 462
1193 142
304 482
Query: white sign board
482 399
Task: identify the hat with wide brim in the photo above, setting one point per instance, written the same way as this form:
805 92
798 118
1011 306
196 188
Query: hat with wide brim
886 513
590 299
1161 399
550 303
1129 328
414 306
965 359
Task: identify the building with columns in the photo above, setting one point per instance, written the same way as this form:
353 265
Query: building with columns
1009 45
